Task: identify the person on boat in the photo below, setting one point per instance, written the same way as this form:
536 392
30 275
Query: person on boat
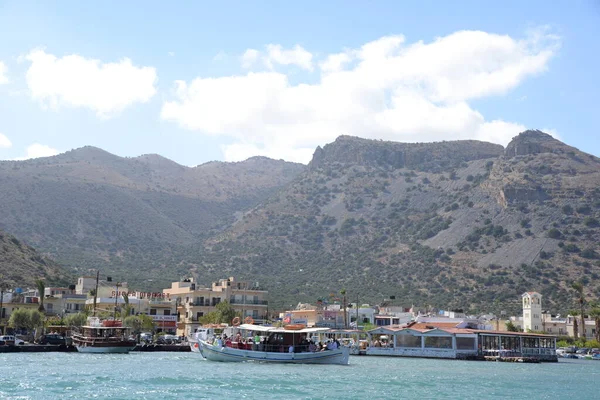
291 348
312 347
257 344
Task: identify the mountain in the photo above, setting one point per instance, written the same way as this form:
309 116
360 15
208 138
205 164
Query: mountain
88 208
457 224
460 224
21 265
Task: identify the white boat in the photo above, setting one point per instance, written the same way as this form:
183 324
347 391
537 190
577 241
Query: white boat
107 336
200 334
277 345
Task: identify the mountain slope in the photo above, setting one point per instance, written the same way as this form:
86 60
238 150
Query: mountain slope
459 224
89 208
21 265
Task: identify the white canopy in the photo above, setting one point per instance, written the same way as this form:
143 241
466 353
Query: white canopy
275 329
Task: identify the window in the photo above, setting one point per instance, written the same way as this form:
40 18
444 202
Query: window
437 342
465 343
153 311
409 341
167 312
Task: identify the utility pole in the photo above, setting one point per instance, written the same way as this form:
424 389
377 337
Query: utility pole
356 311
1 306
96 291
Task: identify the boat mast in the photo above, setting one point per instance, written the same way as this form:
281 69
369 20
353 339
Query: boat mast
96 291
116 298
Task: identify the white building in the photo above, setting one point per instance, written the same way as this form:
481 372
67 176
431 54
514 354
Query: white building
532 311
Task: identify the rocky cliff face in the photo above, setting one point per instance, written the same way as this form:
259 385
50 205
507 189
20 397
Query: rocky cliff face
420 156
456 224
535 142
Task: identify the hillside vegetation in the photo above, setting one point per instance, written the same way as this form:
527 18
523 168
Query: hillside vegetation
128 216
21 265
459 224
456 224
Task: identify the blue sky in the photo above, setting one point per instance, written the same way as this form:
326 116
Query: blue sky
197 82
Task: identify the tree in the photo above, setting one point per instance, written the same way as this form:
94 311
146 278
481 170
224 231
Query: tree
78 319
126 308
225 312
36 319
93 294
595 313
19 319
511 327
41 287
343 293
574 313
139 323
578 286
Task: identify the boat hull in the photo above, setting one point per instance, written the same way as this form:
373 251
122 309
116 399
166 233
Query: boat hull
194 346
107 349
227 354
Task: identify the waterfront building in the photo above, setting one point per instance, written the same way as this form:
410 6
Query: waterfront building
434 339
193 301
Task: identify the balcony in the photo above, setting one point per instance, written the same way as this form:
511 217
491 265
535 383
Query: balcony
250 302
160 302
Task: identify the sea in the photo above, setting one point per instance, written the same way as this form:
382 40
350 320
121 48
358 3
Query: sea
188 376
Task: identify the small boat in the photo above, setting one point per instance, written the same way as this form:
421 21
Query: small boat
276 345
108 336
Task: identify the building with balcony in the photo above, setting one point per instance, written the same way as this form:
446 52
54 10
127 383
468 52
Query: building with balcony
193 301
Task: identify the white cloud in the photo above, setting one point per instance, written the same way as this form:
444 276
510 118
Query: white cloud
4 142
37 150
384 89
335 62
296 56
275 54
250 57
3 70
75 81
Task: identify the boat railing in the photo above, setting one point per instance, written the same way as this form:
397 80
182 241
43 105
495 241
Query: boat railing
272 348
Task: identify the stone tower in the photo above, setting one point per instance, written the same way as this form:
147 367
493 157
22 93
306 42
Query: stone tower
532 311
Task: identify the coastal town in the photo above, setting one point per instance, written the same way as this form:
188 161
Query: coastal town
184 309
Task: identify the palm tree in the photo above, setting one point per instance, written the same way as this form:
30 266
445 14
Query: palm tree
41 287
581 298
126 308
595 313
343 293
93 294
575 313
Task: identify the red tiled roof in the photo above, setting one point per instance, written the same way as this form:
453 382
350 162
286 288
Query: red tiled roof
429 325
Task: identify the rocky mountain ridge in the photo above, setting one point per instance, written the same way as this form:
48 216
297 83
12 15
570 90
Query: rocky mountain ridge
462 224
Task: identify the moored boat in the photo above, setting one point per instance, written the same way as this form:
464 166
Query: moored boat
274 345
107 336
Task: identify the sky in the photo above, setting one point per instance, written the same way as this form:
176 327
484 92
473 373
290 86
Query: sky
201 81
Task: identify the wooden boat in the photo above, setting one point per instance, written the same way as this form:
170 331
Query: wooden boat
107 336
277 345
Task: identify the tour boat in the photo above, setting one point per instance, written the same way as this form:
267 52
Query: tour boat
274 345
108 336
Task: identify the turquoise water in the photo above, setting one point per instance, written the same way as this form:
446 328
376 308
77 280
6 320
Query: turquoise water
187 376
